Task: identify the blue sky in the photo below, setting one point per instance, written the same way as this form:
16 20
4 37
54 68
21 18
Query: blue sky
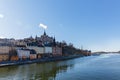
94 24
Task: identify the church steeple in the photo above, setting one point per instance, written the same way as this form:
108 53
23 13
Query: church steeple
31 37
44 32
54 41
36 37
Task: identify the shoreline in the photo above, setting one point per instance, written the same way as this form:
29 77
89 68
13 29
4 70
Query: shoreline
42 60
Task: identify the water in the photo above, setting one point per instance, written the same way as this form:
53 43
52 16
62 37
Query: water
103 67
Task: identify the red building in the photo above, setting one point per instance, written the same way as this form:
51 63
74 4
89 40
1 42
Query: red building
57 51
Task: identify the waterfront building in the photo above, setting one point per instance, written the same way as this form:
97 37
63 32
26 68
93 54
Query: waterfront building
4 57
20 42
33 54
48 50
17 47
45 39
57 51
38 49
14 58
23 54
30 39
7 41
43 46
13 54
5 49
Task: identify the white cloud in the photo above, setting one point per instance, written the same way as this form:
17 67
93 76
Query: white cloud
42 26
1 16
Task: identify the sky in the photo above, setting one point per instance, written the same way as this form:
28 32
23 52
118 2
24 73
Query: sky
93 24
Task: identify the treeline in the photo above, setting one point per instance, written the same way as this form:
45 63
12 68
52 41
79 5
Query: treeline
69 49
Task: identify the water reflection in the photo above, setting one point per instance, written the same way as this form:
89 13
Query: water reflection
37 71
103 67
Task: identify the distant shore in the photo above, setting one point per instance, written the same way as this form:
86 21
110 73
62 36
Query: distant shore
99 53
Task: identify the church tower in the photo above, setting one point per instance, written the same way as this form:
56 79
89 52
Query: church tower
54 41
44 33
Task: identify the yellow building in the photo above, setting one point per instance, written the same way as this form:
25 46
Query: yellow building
4 53
5 49
4 57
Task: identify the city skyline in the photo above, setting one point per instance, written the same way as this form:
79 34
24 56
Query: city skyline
91 24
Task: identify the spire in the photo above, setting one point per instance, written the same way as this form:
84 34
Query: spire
44 32
54 41
31 37
36 37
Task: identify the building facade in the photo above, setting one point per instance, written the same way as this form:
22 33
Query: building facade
57 51
4 57
23 54
39 50
33 54
48 50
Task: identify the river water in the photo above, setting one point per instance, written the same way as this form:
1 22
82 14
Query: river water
102 67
